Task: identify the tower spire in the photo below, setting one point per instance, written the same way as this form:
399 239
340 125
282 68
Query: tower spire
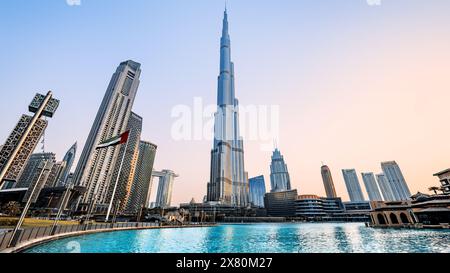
225 23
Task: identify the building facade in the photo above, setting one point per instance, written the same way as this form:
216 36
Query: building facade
23 139
280 203
95 167
122 192
396 180
257 191
228 182
55 174
279 174
142 185
444 179
328 182
353 187
20 160
39 179
33 168
371 187
165 186
385 187
313 207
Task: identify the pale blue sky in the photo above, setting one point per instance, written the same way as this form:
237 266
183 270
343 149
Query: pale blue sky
316 59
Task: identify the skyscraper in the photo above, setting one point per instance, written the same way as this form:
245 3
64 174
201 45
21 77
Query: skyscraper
95 167
55 174
126 177
396 180
165 186
257 190
279 175
23 139
385 187
328 182
68 162
33 167
142 185
228 182
371 187
353 187
40 177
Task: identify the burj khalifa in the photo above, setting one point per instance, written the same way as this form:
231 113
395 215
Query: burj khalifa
228 183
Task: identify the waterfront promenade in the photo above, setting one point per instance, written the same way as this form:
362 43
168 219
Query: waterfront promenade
30 237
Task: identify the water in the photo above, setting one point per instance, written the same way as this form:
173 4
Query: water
257 238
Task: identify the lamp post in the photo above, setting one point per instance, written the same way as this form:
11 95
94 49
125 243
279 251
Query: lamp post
27 206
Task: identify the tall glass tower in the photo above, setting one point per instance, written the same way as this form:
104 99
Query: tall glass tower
328 182
353 187
96 167
371 187
122 192
228 182
396 180
142 185
257 191
279 175
33 167
385 188
68 160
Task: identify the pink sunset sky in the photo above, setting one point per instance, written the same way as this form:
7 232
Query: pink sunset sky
355 84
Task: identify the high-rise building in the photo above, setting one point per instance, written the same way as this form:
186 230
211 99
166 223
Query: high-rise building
385 187
396 180
55 174
126 176
371 187
228 182
23 139
33 167
257 190
142 184
279 175
353 187
96 166
39 179
69 180
165 186
68 163
328 182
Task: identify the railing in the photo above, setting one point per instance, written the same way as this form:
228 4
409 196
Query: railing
30 234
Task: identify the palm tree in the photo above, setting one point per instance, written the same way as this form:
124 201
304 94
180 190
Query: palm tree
12 208
434 189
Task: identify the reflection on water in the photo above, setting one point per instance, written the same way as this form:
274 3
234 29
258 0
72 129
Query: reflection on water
341 240
259 238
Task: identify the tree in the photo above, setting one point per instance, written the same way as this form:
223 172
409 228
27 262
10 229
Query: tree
434 189
12 208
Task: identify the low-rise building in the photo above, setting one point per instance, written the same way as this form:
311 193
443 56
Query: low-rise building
280 203
315 208
422 211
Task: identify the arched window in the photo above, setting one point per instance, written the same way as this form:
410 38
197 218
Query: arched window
394 219
404 218
381 220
